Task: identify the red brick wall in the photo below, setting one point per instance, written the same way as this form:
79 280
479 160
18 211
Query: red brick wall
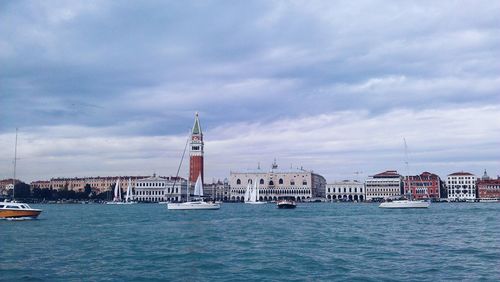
195 167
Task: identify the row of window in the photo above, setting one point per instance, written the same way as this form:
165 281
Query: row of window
271 183
334 190
158 192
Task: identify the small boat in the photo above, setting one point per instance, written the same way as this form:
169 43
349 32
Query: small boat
193 205
117 199
197 203
13 211
129 196
408 203
405 204
286 204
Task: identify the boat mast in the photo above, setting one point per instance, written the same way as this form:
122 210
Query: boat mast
179 168
15 163
407 168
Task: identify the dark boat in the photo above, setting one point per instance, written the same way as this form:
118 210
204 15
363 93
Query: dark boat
286 204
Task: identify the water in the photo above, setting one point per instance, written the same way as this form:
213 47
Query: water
249 242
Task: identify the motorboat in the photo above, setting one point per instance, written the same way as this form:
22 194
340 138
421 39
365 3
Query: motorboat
286 204
405 204
13 210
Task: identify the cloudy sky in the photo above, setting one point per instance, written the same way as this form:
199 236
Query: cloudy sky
111 88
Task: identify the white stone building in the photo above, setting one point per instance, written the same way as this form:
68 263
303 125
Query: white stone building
346 190
159 189
461 186
385 185
300 184
218 190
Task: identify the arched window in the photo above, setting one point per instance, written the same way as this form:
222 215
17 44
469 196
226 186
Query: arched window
238 181
249 181
304 182
292 182
261 181
271 183
280 181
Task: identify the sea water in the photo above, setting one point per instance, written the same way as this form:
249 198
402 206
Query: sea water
320 241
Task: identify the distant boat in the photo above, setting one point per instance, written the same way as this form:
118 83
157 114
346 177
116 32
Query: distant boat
252 194
197 203
129 196
286 203
13 210
405 204
410 203
117 198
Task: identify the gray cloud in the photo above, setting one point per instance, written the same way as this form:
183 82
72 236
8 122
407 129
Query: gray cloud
138 71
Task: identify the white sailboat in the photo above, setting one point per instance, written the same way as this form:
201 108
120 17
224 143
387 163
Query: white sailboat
253 194
117 195
410 203
129 197
197 203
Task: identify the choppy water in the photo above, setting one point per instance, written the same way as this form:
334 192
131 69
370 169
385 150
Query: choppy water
253 242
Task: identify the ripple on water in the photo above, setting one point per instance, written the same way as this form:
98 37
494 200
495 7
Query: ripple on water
244 242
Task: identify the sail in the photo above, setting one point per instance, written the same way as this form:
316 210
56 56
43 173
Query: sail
198 187
128 195
247 192
257 193
117 191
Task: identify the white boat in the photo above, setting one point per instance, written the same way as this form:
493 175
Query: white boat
117 198
410 203
17 211
489 200
130 195
13 210
405 204
197 203
252 194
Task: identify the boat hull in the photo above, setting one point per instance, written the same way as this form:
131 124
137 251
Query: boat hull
8 213
405 205
193 206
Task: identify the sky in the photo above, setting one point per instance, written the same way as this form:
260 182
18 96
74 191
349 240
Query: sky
102 88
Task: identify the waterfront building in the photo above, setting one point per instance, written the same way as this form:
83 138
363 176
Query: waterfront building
196 152
461 186
346 190
218 190
487 188
385 185
98 184
159 189
300 184
423 186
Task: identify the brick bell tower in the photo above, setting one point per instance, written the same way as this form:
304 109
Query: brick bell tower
196 152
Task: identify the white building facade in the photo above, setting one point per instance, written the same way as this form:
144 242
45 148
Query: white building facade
346 191
300 184
461 186
160 189
385 185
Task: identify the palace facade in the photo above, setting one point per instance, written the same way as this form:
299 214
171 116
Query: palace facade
300 184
